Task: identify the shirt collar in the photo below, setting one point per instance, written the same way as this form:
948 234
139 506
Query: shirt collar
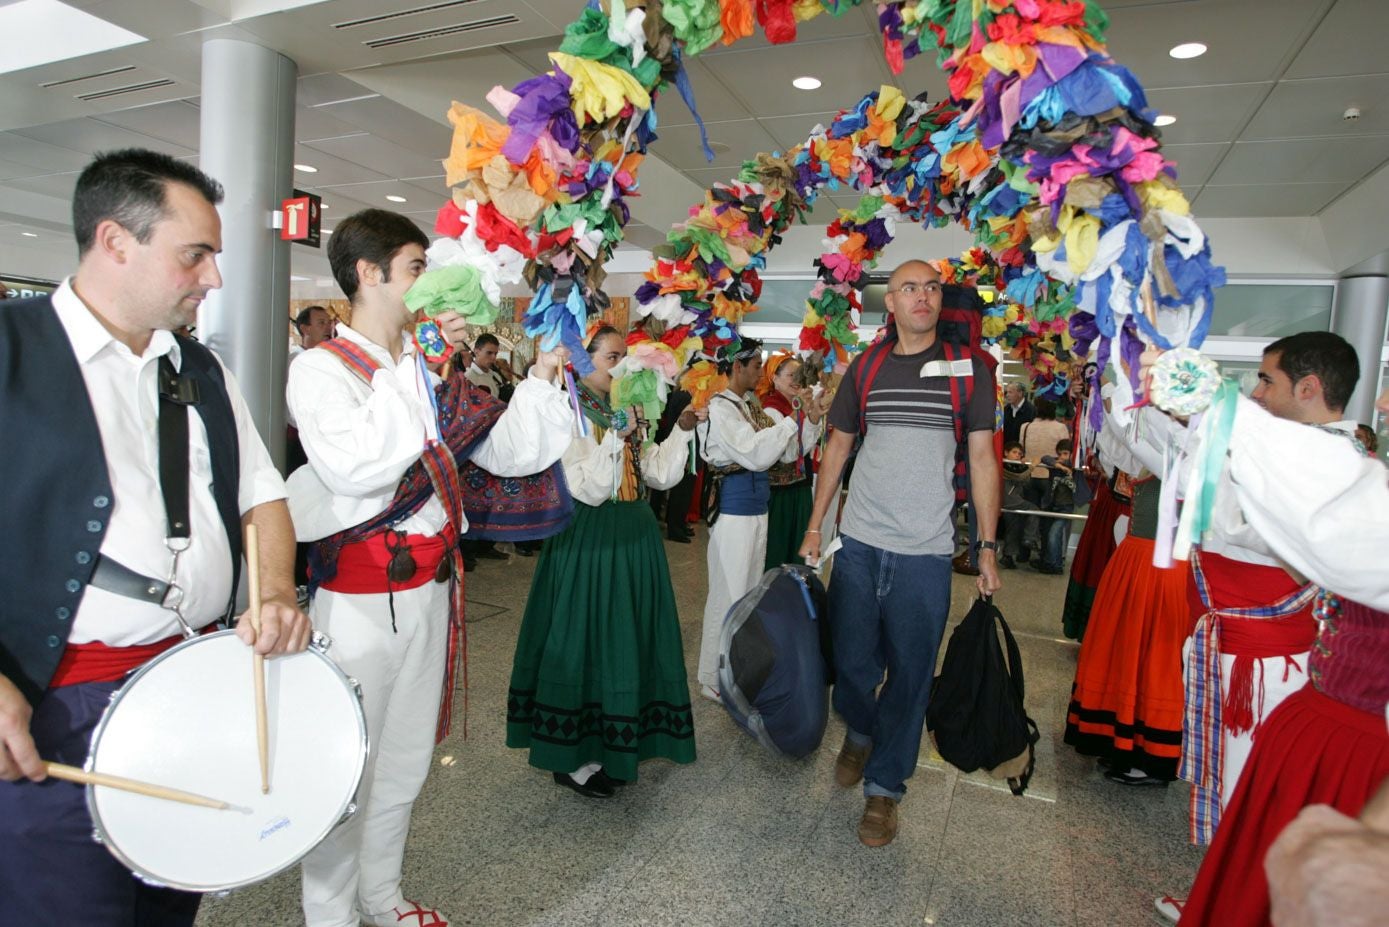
347 333
89 337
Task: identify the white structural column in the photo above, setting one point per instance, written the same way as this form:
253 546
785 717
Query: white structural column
247 143
1360 316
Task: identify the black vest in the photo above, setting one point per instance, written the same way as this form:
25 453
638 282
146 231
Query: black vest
55 494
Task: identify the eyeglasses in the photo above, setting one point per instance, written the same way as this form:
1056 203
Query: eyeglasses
912 289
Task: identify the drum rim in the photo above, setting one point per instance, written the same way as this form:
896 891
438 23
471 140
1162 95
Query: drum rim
103 836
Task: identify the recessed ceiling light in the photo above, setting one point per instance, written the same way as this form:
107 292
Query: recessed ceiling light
29 235
806 83
322 205
1188 50
327 231
395 199
306 168
1164 120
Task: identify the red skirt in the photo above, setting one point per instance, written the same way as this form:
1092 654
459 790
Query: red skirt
1127 701
1092 555
1312 750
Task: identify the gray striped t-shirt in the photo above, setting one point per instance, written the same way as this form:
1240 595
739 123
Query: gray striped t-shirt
902 494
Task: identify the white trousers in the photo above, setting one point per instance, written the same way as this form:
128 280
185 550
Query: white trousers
737 549
357 869
1280 679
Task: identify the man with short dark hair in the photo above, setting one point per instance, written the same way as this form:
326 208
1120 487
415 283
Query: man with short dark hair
1305 376
384 503
81 373
924 409
483 372
315 326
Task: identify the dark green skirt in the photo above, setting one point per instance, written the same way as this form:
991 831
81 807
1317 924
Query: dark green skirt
599 674
788 515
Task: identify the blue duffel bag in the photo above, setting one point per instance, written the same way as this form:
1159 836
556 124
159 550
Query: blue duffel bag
772 672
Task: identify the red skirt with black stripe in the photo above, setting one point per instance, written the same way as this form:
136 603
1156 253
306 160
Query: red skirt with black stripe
1095 548
1311 750
1126 704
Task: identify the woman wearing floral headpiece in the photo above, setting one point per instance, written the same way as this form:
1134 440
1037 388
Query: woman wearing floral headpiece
598 682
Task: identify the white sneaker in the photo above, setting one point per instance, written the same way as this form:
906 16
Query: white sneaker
1169 907
710 693
409 915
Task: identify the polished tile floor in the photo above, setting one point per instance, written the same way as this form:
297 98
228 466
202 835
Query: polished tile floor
741 837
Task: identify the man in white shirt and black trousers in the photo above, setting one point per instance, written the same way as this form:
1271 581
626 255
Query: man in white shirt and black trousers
86 528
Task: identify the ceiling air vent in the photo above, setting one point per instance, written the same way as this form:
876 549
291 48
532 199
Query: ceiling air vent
441 32
383 17
128 88
75 80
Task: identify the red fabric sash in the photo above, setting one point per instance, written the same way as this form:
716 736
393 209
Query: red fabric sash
98 662
362 564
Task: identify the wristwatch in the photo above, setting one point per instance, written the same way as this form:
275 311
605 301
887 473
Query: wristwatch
985 545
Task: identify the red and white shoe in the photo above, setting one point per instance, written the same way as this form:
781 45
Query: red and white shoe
410 915
1169 907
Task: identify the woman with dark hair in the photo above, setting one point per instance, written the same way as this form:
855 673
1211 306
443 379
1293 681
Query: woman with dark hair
598 682
788 508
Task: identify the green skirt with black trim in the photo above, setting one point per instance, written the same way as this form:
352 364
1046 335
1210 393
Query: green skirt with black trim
788 515
599 673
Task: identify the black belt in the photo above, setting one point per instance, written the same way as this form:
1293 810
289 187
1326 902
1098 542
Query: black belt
116 577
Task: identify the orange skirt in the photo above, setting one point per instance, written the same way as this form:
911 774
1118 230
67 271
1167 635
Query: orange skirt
1126 704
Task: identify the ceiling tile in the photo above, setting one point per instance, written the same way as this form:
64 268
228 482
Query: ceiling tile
383 157
311 124
1350 40
373 194
1248 40
39 157
58 185
1195 163
332 171
1264 200
1303 108
177 122
90 136
1207 114
712 98
679 145
790 131
1302 161
763 77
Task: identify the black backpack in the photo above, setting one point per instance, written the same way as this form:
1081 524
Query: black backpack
976 716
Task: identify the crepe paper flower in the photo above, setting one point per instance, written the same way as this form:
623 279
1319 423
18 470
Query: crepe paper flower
599 91
703 382
538 101
634 386
559 323
736 17
451 289
696 23
477 139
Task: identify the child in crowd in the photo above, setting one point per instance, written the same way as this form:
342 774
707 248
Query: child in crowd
1016 474
1060 497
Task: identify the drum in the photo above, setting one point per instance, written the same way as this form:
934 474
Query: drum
186 720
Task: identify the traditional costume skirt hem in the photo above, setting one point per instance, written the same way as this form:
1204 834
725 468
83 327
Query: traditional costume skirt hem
599 673
1310 750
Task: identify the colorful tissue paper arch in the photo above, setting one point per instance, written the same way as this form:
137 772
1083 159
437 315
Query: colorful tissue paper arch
1046 152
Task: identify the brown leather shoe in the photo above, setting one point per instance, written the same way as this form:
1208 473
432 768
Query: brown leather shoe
961 564
848 768
879 823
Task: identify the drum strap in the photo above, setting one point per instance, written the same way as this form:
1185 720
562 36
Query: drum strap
176 394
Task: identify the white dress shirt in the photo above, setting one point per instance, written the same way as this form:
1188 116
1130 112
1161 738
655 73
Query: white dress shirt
361 438
593 469
123 391
731 439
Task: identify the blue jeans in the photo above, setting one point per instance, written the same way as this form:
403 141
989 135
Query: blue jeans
887 612
1058 535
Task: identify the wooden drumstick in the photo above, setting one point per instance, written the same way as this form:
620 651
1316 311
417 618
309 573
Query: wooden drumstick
258 661
74 774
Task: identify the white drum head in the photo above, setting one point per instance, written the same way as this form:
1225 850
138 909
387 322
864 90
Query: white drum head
187 721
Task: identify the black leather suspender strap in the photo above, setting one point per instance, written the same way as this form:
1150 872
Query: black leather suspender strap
176 394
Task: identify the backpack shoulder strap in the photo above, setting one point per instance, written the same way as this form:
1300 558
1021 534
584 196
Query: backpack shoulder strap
961 388
353 355
868 366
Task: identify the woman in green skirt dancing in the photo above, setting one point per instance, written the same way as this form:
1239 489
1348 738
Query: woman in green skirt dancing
598 683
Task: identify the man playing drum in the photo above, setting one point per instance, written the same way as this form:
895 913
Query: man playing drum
383 501
108 564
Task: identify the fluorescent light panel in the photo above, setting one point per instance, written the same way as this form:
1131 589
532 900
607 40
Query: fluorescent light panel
29 28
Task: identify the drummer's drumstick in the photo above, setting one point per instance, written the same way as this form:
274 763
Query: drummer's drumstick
74 774
258 661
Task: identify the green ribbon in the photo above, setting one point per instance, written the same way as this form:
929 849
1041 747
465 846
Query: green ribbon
1217 430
